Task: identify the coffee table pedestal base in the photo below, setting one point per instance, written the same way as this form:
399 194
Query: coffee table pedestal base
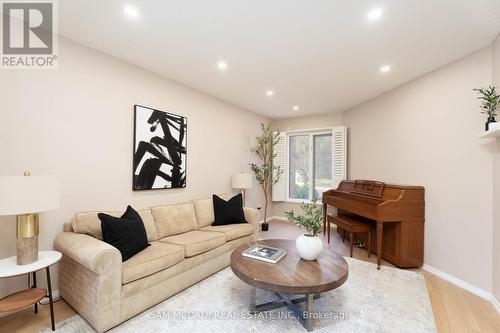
284 300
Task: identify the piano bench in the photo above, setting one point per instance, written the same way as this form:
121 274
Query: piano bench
353 226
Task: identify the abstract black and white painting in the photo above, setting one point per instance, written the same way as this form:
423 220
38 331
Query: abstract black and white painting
159 149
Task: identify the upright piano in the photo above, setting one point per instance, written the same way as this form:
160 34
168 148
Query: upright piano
396 212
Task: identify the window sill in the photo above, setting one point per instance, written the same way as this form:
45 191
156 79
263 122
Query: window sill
299 201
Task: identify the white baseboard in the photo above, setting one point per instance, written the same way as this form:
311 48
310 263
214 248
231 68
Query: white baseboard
460 283
464 285
281 218
55 296
495 303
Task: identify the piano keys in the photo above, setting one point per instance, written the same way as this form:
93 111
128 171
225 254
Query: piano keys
396 212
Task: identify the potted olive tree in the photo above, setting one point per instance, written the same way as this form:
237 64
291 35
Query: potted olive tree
490 101
266 173
309 245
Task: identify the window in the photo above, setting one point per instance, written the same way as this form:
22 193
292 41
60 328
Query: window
322 161
313 162
298 167
309 165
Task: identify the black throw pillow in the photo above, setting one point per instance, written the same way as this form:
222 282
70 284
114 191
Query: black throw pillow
126 233
228 212
132 214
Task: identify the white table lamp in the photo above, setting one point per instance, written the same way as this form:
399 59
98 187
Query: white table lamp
26 196
242 181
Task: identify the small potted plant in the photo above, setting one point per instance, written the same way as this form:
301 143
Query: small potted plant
309 245
490 100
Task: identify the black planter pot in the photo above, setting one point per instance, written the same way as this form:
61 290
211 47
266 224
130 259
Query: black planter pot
265 226
488 122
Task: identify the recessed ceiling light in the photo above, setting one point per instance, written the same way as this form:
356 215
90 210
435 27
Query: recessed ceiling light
222 66
385 69
131 11
295 108
269 93
375 14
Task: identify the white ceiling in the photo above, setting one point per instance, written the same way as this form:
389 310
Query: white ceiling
322 55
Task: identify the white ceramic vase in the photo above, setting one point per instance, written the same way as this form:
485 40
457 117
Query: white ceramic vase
309 247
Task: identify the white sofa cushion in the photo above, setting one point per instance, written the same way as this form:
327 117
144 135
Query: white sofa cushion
196 242
174 219
152 259
204 209
232 231
88 223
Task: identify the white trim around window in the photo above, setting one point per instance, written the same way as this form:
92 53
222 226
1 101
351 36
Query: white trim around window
281 190
311 189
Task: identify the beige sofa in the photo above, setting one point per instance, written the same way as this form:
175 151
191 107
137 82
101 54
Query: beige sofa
184 249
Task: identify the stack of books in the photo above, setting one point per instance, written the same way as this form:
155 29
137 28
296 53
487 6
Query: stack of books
264 253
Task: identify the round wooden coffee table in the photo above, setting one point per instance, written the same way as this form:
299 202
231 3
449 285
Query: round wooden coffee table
290 276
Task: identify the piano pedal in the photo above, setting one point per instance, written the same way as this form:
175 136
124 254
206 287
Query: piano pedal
360 244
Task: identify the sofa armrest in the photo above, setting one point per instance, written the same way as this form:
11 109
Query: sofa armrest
89 252
252 217
90 278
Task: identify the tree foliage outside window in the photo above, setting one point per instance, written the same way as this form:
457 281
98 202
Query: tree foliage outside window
298 165
322 164
309 165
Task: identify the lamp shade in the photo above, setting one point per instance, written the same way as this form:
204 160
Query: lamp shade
28 194
242 181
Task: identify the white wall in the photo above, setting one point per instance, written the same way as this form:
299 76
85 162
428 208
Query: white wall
77 122
426 133
496 177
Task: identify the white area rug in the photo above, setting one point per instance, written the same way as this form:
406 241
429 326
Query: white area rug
389 300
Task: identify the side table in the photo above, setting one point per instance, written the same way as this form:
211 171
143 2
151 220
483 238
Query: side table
30 296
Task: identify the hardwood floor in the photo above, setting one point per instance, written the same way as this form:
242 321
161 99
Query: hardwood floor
26 321
455 309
